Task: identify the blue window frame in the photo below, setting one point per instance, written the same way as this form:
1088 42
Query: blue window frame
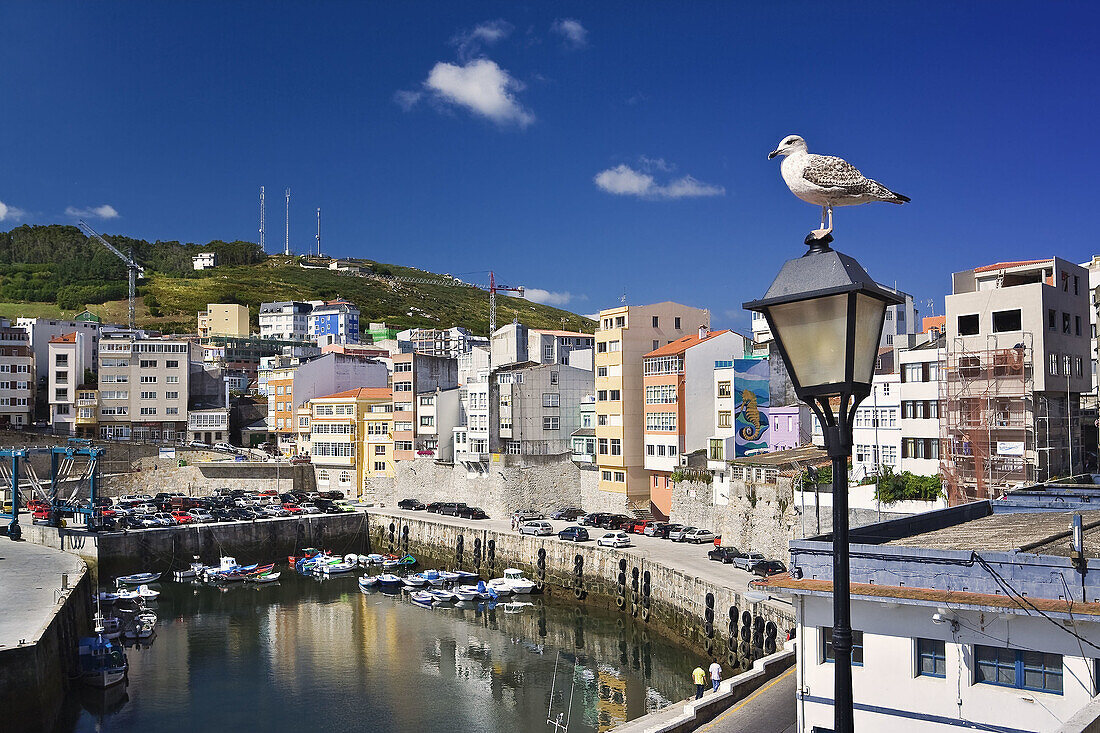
1017 668
931 658
827 646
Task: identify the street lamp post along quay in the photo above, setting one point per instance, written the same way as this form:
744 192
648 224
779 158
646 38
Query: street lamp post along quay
826 315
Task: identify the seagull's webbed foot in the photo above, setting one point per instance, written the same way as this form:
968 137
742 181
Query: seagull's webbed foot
826 211
821 233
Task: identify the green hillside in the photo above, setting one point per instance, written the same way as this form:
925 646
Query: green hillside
55 270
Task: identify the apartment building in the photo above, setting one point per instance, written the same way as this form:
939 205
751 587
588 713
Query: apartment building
515 343
143 386
450 343
17 369
1093 266
208 426
418 375
471 436
791 427
678 379
1018 342
901 320
285 320
534 408
625 335
333 322
41 330
292 386
877 429
66 358
223 319
919 369
378 449
437 415
584 437
339 450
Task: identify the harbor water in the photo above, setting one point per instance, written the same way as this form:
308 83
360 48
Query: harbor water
303 654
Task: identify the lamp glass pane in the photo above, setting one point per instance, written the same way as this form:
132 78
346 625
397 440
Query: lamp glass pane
870 313
812 333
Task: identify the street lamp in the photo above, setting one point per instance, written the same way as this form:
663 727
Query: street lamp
826 316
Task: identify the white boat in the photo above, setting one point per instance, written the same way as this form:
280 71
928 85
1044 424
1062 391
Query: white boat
368 581
416 580
389 580
147 593
472 592
102 663
467 575
339 567
108 627
499 587
142 626
195 570
267 578
450 577
107 597
434 577
518 583
422 598
128 595
138 579
442 596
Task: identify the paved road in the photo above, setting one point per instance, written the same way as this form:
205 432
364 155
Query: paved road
771 709
29 577
691 559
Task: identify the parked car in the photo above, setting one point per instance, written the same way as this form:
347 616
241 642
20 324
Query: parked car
222 514
181 517
593 519
473 512
529 516
201 515
298 460
764 568
434 507
410 504
275 510
639 525
677 535
198 444
292 508
309 508
288 498
225 447
164 519
746 561
574 534
334 495
132 522
614 539
724 555
697 536
327 506
655 529
569 514
243 514
616 521
536 528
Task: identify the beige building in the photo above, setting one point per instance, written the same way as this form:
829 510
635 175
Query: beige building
624 336
224 319
143 386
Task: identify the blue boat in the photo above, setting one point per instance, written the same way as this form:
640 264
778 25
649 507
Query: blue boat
102 662
138 579
422 598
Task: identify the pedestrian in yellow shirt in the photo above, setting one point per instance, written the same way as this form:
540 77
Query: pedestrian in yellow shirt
700 678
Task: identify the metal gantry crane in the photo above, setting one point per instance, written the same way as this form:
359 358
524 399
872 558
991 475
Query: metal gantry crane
133 269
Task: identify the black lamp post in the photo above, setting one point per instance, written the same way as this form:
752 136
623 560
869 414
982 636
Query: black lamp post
826 315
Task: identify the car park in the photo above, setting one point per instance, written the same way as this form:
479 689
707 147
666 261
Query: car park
746 561
764 568
724 555
473 512
574 534
410 504
697 536
536 528
614 539
569 514
677 535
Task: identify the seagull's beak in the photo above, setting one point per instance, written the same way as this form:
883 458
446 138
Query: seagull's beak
772 154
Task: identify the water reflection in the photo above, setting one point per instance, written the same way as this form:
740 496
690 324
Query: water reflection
292 655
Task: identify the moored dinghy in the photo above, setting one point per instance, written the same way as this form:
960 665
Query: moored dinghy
417 580
368 581
422 598
138 579
389 580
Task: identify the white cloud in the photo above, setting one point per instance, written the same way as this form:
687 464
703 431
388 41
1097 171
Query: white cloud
484 34
106 211
548 297
10 213
406 100
481 87
622 180
572 32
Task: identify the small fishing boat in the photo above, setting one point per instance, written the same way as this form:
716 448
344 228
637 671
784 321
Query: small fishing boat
138 579
147 593
467 575
102 662
142 626
125 594
519 584
368 581
307 552
417 580
472 592
499 587
337 568
265 578
397 562
371 559
442 596
108 627
422 598
107 597
449 577
434 577
193 571
389 580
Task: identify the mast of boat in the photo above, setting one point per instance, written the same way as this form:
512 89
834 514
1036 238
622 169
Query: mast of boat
561 722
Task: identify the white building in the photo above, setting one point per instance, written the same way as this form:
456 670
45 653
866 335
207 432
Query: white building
41 330
204 260
876 429
919 369
285 320
941 639
515 343
144 383
16 375
208 426
1093 266
66 359
448 342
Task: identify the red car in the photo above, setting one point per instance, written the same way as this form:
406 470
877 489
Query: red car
41 512
292 508
182 517
639 526
35 504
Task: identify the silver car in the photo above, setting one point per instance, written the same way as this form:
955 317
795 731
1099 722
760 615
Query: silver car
536 528
679 534
698 536
746 561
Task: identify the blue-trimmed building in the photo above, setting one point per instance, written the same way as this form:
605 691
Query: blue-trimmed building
334 322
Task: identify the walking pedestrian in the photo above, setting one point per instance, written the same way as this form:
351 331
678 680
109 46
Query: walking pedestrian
700 678
715 674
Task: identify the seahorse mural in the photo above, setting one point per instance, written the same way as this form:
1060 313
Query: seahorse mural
751 414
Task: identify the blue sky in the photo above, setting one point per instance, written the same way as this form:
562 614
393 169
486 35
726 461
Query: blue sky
589 150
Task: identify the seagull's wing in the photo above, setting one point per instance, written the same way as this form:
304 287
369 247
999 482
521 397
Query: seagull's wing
828 171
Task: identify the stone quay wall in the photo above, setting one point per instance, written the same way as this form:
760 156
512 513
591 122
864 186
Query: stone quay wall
152 475
500 486
711 618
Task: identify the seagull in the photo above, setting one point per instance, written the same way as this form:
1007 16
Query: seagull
827 181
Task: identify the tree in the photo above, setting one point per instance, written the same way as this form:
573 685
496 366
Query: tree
891 488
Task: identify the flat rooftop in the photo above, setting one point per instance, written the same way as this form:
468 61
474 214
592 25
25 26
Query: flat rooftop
1040 533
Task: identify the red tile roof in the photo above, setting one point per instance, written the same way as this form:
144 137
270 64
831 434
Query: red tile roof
69 338
360 393
1009 265
684 343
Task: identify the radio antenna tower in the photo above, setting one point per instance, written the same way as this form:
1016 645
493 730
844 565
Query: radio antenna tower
286 249
318 232
261 218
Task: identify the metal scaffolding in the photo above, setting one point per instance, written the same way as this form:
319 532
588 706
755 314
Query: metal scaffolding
987 424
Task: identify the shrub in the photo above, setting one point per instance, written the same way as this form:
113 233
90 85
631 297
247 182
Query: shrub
891 488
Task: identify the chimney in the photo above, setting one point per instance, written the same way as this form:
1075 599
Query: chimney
703 331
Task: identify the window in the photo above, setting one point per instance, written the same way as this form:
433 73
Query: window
547 353
968 325
427 421
550 423
148 363
1052 319
650 450
407 445
661 421
616 447
662 394
601 347
620 321
427 401
514 447
656 344
1017 668
379 465
148 395
601 395
171 364
1052 366
827 646
1065 323
664 365
605 475
677 323
656 321
171 395
1077 365
931 658
601 371
602 446
724 417
1077 324
402 386
553 377
601 420
550 399
724 389
379 450
614 346
171 410
148 411
402 366
614 395
620 477
172 380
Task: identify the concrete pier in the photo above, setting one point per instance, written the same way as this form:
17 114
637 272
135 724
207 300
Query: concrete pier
45 606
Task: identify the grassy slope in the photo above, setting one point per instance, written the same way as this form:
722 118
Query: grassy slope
399 304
